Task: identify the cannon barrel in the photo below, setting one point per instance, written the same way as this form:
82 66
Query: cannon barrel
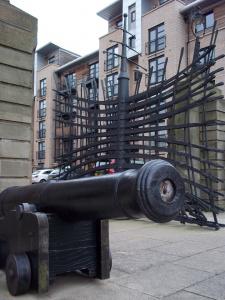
156 190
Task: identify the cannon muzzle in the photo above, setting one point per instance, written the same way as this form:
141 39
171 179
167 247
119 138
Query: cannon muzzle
156 191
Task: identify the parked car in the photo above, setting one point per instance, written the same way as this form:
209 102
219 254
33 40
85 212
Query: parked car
41 175
54 174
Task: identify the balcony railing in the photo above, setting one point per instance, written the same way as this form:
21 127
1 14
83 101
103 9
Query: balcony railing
155 46
40 154
41 133
41 113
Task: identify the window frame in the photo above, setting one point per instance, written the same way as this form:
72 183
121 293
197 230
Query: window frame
203 26
157 32
112 60
113 92
157 70
43 87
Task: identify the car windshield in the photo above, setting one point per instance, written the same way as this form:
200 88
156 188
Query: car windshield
35 173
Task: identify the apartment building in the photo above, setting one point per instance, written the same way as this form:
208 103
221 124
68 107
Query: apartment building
158 30
48 60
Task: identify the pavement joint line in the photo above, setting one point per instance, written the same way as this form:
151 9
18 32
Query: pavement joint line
200 295
133 289
188 256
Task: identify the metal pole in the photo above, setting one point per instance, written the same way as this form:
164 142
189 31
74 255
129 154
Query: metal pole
123 94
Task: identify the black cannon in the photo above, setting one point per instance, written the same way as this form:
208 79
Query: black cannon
58 227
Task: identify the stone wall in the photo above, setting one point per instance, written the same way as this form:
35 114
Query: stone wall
18 38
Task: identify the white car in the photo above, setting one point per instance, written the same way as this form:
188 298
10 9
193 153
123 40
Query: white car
41 175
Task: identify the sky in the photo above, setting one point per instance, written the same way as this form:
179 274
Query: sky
70 24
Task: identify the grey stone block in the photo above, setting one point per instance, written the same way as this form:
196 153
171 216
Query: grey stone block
5 183
16 16
15 112
17 38
15 149
16 94
15 58
15 131
15 168
15 76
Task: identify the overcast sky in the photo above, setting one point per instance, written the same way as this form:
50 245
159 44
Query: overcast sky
71 24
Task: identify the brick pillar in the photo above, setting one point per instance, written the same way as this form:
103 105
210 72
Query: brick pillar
18 39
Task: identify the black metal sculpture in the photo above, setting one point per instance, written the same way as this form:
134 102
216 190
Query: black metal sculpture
62 228
170 120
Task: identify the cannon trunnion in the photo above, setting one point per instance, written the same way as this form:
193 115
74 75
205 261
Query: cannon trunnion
58 227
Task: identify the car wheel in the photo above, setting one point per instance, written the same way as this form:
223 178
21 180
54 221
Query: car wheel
42 180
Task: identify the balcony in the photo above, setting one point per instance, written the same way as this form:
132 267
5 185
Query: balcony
41 134
40 154
155 46
41 113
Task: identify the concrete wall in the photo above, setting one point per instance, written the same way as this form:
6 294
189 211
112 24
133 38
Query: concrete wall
17 43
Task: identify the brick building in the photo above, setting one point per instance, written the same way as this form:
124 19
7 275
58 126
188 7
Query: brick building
159 28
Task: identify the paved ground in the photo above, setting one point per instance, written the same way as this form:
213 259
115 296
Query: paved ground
151 261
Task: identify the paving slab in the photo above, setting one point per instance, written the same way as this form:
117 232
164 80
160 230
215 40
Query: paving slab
210 261
162 280
213 287
186 296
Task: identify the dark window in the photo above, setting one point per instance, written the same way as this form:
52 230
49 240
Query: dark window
208 22
51 60
42 130
71 80
92 94
162 1
158 69
94 70
131 16
132 42
112 58
42 109
43 86
210 56
112 85
157 39
41 150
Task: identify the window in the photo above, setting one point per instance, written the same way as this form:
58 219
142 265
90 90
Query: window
112 85
42 130
158 69
112 58
119 23
43 87
94 70
41 150
207 57
51 60
92 94
157 38
162 1
71 80
132 42
131 16
42 109
208 21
